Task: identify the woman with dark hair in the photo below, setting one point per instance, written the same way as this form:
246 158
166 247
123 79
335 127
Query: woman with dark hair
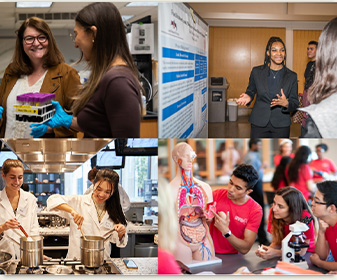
280 179
123 196
299 173
109 105
289 207
37 66
97 214
276 90
322 93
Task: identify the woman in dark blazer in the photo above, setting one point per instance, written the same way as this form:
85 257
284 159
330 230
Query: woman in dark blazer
276 92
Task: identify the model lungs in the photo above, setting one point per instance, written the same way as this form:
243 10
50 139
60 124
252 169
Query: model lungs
191 208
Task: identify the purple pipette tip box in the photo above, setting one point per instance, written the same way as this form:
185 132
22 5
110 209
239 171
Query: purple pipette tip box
35 97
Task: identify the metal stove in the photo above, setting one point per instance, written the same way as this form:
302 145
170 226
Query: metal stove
59 266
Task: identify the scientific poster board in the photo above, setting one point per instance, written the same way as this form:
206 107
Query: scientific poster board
183 71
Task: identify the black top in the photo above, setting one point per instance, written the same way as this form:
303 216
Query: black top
274 81
114 108
309 74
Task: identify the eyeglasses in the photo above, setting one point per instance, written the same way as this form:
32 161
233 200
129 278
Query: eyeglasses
29 40
73 36
321 203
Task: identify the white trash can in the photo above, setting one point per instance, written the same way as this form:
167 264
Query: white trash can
232 110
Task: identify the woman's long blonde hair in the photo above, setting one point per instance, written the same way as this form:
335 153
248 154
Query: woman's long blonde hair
109 43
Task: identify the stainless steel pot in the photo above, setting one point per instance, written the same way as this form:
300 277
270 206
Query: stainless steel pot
92 251
31 250
5 260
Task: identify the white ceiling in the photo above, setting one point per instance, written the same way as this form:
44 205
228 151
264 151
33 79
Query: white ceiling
9 13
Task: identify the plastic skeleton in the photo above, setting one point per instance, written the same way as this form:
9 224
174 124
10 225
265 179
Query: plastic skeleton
192 201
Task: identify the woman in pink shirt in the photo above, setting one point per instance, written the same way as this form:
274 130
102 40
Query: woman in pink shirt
289 207
300 174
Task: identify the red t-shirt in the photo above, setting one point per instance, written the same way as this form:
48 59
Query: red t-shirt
325 165
241 217
331 237
304 174
278 157
310 233
166 263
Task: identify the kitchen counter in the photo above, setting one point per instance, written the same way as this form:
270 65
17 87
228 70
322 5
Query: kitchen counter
58 231
146 266
64 231
132 228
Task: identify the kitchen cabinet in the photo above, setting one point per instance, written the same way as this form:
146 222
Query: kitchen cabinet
43 185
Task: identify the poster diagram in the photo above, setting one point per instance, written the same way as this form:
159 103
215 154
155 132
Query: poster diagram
183 68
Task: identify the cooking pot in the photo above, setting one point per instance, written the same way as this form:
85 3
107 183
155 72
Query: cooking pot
59 269
92 251
31 250
5 260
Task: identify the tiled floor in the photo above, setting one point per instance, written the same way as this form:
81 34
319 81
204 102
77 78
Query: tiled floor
240 129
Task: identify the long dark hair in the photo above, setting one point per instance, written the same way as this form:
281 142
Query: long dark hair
325 82
113 203
110 42
21 64
271 41
280 173
301 157
296 203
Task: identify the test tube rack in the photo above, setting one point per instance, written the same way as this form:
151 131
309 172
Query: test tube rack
33 107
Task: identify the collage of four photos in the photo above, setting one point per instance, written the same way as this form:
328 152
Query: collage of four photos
170 138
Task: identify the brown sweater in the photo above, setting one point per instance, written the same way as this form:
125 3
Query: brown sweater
114 109
61 79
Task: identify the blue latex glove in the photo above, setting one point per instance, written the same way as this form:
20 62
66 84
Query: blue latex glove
38 129
1 110
60 118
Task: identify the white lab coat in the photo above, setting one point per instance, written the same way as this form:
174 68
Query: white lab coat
26 214
84 205
123 196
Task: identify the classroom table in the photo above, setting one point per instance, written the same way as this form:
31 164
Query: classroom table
232 262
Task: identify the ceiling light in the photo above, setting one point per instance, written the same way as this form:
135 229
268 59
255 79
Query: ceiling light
126 18
142 4
33 4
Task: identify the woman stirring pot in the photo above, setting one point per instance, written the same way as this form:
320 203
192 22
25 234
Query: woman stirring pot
17 207
97 214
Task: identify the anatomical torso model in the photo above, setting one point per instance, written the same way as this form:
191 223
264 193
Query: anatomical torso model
192 196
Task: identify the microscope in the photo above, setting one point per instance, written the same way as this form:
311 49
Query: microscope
294 242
